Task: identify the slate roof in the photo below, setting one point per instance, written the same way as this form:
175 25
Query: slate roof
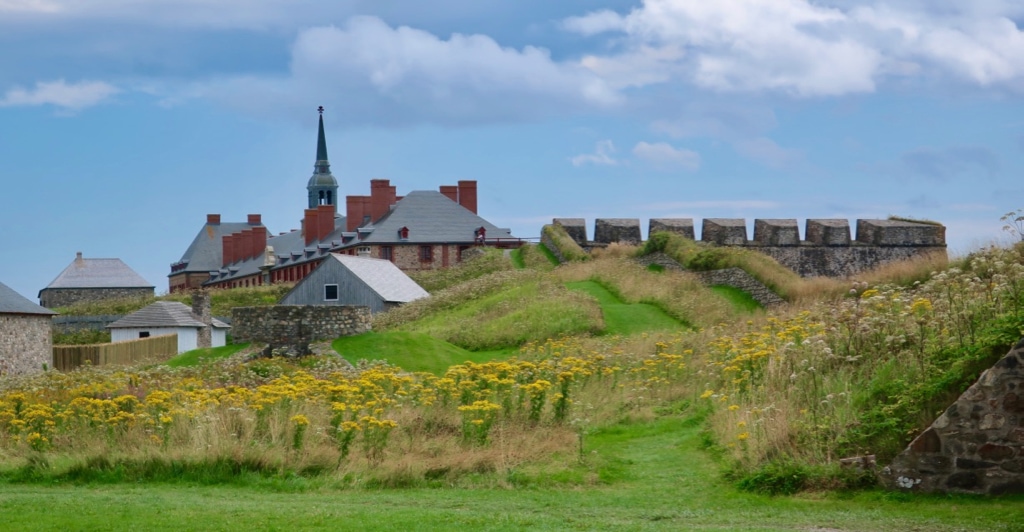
98 273
12 302
383 277
289 249
205 252
432 218
163 314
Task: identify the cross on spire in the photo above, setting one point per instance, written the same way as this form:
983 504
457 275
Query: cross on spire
320 109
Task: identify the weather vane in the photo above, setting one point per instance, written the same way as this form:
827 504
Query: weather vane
320 109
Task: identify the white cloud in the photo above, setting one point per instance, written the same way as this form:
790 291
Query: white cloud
807 48
663 155
72 96
602 155
374 73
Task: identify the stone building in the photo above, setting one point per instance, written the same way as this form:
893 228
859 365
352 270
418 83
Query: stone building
91 280
346 280
422 230
26 341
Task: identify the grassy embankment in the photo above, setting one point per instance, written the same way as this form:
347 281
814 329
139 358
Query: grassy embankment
810 383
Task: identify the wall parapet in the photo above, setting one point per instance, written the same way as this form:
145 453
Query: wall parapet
829 247
294 327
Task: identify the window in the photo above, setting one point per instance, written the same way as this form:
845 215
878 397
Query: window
144 334
330 292
403 233
426 254
385 253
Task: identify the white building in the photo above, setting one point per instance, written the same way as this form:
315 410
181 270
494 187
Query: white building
167 317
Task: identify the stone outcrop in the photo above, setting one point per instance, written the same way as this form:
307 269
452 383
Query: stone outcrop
977 444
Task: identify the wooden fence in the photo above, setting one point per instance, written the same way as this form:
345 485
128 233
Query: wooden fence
68 357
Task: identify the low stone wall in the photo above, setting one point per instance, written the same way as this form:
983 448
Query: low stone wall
294 327
70 324
738 278
25 343
64 297
548 242
977 444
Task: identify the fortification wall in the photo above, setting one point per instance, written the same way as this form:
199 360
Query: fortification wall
976 445
65 297
826 250
26 345
293 327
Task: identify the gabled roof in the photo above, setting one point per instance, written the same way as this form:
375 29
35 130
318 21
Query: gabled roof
431 218
205 252
12 302
98 273
289 249
163 314
383 277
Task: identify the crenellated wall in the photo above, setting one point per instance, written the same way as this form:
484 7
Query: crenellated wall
828 249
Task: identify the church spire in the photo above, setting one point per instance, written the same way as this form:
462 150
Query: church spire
322 187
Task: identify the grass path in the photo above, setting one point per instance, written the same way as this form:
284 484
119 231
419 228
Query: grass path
625 318
657 477
411 351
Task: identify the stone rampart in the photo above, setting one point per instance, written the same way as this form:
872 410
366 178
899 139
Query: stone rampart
977 444
826 250
575 227
742 280
64 297
294 327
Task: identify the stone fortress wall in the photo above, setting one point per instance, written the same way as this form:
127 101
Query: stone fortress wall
828 248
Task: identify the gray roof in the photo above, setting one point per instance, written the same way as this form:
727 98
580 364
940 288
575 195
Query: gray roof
383 277
432 218
290 248
205 254
163 314
12 302
98 273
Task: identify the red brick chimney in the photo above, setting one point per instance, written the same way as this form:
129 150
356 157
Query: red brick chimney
243 247
467 195
255 219
353 212
310 225
382 197
326 221
213 219
451 191
227 248
259 240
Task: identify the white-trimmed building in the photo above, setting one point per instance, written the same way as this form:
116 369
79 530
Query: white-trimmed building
167 317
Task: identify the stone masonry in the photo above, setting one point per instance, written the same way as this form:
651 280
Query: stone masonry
742 280
294 327
575 227
64 297
624 230
977 444
201 310
25 343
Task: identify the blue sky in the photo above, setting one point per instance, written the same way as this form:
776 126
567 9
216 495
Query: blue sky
124 122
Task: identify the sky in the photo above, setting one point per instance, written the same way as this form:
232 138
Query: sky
124 122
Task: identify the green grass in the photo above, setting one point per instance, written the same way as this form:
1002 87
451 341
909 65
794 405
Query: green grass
634 476
196 357
740 299
412 351
625 318
548 254
517 258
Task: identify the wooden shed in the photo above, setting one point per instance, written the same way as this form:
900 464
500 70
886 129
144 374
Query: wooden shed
354 280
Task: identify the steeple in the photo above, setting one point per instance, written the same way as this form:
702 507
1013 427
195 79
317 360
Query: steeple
322 187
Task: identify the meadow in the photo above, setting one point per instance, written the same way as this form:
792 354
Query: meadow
519 391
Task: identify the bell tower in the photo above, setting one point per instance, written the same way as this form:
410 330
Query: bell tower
322 187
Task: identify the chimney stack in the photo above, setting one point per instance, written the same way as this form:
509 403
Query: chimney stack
310 225
467 195
255 219
451 192
243 247
201 311
213 219
259 241
326 219
78 258
227 249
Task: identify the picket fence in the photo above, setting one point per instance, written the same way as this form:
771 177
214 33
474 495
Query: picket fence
68 357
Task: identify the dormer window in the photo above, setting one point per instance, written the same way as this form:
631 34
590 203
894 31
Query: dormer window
403 233
481 234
